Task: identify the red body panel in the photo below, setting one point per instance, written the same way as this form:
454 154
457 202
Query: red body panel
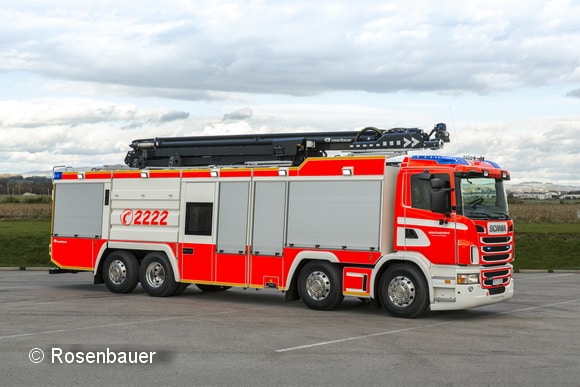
127 174
235 172
75 253
356 281
231 269
361 165
200 174
97 175
266 271
197 262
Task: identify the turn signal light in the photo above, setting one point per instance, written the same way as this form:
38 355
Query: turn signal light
465 279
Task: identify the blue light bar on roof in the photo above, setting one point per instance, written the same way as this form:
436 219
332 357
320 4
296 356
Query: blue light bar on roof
442 159
495 165
57 176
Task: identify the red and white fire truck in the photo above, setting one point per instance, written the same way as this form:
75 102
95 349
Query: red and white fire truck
410 233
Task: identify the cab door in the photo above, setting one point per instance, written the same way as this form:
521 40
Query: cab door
419 229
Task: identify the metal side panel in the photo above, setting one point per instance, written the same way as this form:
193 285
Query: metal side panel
233 217
145 189
145 210
334 214
269 208
78 209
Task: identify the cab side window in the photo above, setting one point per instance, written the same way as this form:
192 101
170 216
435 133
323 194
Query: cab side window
420 193
421 190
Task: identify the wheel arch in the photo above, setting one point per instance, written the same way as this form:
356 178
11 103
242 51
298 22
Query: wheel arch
413 259
301 259
139 250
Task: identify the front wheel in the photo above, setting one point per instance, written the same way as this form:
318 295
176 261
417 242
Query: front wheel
320 285
156 275
121 272
403 291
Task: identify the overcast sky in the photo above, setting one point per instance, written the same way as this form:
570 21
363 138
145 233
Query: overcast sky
80 80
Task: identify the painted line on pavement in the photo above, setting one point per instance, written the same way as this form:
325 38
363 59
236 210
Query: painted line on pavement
415 328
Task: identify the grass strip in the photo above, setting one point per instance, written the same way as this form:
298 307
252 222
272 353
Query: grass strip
538 246
24 243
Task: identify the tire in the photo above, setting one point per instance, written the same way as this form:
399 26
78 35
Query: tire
156 276
121 272
320 285
212 288
181 288
403 291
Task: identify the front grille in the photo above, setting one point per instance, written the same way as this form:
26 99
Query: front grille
496 249
495 240
491 274
497 258
498 278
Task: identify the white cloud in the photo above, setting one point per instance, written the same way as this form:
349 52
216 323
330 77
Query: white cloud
539 150
81 80
37 134
299 49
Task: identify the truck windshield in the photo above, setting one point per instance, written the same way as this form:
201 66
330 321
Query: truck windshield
481 198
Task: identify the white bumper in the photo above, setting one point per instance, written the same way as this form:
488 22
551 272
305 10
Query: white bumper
471 296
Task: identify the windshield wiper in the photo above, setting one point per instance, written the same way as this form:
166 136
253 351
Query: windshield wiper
486 215
477 215
501 215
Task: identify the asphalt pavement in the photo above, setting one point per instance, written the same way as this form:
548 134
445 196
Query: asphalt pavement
62 329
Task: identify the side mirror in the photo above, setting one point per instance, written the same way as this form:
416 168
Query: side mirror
440 202
436 183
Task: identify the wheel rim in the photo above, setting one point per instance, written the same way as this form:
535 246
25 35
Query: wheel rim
155 275
401 291
318 285
117 272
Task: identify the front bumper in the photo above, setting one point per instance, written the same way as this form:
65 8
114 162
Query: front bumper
453 296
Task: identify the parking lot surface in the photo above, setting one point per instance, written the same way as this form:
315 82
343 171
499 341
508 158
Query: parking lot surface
62 329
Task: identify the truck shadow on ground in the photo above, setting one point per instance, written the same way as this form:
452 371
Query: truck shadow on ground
264 298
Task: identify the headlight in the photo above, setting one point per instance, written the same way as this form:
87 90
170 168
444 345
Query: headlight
465 279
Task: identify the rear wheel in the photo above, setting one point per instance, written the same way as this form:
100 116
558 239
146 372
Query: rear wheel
181 288
403 291
320 285
121 272
156 275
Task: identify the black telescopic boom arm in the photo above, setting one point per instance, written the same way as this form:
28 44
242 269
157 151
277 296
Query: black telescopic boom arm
289 147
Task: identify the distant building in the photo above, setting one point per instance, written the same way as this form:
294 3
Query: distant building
573 196
537 195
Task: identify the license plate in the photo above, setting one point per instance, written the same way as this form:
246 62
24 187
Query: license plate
497 281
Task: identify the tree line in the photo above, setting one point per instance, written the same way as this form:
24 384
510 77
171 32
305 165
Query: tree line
15 185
